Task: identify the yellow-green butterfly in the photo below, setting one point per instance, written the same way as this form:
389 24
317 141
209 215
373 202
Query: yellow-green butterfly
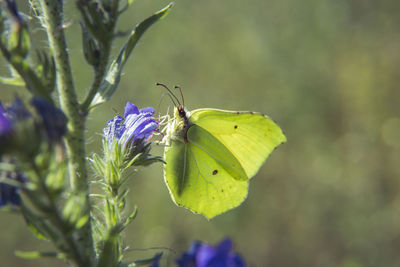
211 154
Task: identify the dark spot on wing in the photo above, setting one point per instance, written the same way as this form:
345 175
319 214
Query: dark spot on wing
235 126
215 172
222 190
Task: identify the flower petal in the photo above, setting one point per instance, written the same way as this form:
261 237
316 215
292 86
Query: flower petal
138 127
130 109
205 255
115 128
149 111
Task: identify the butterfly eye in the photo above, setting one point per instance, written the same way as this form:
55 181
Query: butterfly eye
215 172
235 126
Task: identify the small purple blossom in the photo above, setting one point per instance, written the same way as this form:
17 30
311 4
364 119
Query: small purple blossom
136 125
205 255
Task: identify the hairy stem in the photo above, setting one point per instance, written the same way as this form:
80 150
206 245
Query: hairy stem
75 143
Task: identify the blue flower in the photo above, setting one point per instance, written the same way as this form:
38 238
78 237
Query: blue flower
135 126
9 193
53 119
204 255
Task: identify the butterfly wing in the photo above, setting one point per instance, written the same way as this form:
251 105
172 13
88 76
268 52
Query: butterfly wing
203 176
208 173
249 136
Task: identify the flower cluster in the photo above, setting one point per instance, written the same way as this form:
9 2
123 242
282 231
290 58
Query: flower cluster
132 132
205 255
135 125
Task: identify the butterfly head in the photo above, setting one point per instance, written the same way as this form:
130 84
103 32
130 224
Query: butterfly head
183 114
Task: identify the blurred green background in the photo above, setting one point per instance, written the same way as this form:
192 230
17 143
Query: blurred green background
327 71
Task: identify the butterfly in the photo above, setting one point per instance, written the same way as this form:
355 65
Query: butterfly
211 154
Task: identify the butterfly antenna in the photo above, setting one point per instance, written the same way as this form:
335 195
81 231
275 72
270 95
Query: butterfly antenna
180 90
171 94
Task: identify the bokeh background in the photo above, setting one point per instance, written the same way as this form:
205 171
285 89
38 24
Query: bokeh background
327 71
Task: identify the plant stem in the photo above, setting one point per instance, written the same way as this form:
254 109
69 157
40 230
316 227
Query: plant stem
75 143
57 220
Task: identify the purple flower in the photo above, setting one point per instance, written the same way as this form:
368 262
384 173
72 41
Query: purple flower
135 126
204 255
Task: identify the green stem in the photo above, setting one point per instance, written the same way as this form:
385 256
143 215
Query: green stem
57 220
75 142
105 40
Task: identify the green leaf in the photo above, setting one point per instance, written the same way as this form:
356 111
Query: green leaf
110 83
97 164
16 81
131 217
39 227
38 254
